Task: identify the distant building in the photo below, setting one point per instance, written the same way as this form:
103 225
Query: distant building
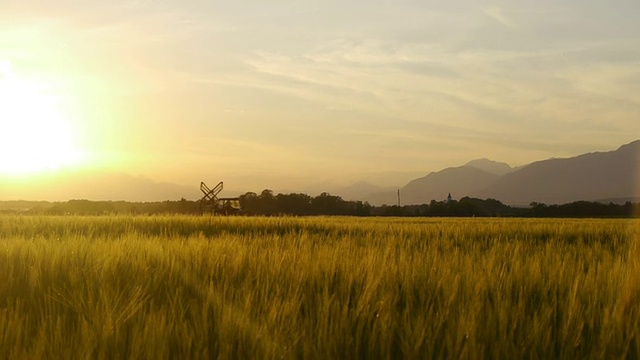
449 198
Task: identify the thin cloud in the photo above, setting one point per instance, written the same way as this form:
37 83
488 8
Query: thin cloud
497 14
444 74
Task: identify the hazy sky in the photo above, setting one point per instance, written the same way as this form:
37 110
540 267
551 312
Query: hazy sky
285 94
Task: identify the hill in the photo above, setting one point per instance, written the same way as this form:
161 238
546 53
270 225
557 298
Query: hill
490 166
599 176
592 176
459 181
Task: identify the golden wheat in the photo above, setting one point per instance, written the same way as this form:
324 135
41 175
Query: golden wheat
322 287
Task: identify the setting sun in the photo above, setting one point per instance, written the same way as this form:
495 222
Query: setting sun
35 135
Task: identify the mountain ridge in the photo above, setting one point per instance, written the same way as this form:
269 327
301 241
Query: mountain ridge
591 176
437 185
491 166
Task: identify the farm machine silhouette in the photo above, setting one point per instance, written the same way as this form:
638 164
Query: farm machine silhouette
211 203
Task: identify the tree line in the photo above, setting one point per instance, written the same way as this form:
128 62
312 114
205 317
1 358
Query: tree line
471 207
266 203
298 204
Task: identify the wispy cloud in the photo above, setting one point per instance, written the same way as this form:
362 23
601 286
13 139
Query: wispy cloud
498 14
335 78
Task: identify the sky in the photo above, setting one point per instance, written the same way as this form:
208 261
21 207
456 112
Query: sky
310 94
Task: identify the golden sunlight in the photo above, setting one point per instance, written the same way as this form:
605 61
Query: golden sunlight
35 135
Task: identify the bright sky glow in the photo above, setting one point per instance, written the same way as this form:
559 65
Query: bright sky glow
288 95
34 135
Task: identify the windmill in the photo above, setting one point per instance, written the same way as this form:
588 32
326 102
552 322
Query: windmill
210 202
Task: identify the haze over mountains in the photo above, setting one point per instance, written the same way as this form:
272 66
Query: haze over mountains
599 176
94 186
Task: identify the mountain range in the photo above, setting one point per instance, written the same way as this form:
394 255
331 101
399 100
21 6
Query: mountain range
612 176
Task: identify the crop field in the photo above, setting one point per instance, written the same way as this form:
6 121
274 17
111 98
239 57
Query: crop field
319 287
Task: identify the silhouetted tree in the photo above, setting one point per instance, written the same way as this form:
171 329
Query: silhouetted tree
294 204
268 202
327 204
250 203
82 207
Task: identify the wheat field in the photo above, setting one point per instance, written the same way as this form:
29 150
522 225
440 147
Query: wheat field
321 287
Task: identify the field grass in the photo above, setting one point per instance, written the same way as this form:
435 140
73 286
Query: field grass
202 287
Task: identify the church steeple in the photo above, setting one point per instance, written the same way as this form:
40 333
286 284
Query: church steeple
449 198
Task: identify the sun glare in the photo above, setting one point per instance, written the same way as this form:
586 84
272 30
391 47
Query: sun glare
35 135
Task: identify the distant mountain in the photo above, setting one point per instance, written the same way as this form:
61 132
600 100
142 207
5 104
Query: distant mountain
96 186
389 197
593 176
365 191
490 166
361 190
599 176
459 181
